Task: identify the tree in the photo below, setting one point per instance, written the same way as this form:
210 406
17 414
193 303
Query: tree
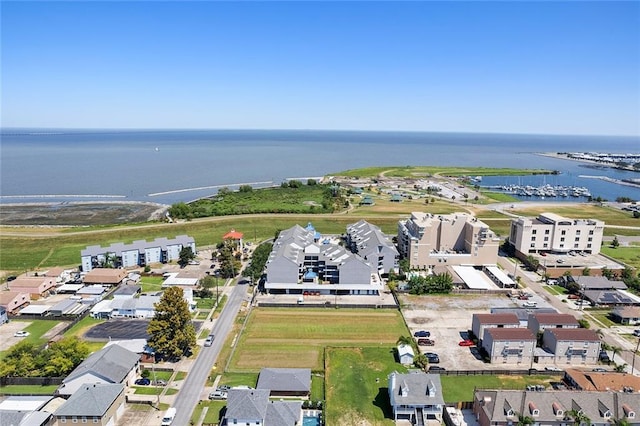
404 340
578 417
620 368
586 271
171 332
63 356
615 350
524 420
421 361
186 255
615 243
245 188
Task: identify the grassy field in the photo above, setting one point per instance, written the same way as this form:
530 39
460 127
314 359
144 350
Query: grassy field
297 338
356 385
214 409
628 255
555 289
28 390
418 171
460 388
150 284
80 328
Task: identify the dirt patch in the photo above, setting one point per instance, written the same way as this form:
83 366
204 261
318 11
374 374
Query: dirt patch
79 214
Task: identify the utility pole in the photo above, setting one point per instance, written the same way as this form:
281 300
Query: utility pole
633 363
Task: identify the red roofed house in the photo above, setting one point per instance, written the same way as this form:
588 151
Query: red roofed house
509 345
37 287
572 345
13 301
236 236
481 322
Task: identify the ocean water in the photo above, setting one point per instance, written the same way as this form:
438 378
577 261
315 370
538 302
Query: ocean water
169 166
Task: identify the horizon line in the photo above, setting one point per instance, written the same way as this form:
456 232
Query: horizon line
207 129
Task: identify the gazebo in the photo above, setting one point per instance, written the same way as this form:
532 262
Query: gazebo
235 236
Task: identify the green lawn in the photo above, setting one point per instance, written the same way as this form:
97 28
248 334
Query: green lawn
460 388
356 385
36 329
416 171
28 390
151 284
206 303
153 390
555 289
214 408
628 255
276 337
499 197
602 317
238 379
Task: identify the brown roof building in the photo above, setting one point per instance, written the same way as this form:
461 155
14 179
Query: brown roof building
600 381
12 301
36 286
572 345
542 321
480 322
105 276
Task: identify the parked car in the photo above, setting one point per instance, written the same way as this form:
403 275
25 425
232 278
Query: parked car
432 357
436 368
209 340
560 260
143 382
426 342
529 304
21 334
552 368
466 342
636 332
422 333
600 370
218 394
160 383
11 278
604 357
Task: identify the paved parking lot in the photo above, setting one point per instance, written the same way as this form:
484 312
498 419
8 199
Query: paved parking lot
448 318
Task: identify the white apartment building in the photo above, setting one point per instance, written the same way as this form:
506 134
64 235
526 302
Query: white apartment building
428 240
138 253
554 233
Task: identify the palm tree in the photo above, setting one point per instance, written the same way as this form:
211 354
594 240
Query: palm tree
616 350
578 417
620 368
524 420
620 422
404 340
421 361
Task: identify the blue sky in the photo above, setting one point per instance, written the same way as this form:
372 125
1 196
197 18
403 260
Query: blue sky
508 67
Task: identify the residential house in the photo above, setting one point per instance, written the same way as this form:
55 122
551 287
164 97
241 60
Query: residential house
367 201
37 287
572 345
112 364
416 397
253 407
480 322
105 276
405 354
138 253
96 403
135 307
127 291
509 345
626 315
13 301
368 241
538 322
586 380
25 411
236 237
552 232
59 274
427 240
285 381
555 408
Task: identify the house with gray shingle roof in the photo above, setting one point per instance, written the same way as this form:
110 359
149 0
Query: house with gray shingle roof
112 364
252 406
97 403
555 408
416 397
285 381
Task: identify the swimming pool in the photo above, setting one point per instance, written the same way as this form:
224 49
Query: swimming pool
310 421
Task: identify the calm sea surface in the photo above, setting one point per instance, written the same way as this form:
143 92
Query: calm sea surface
168 166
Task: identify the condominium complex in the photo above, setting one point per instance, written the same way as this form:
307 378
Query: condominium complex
428 240
138 253
372 245
303 261
550 232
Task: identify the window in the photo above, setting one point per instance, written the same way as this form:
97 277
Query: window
546 238
590 239
589 245
576 245
577 232
545 245
534 232
591 232
577 239
533 238
546 232
563 232
533 244
561 245
562 239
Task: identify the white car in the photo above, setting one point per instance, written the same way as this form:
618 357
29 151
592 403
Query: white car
552 368
21 334
529 304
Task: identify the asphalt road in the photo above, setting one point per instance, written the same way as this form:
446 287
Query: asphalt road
189 394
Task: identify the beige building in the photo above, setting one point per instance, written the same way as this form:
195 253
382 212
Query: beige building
550 232
509 345
572 345
429 240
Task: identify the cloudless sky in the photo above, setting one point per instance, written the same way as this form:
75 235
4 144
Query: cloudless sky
512 67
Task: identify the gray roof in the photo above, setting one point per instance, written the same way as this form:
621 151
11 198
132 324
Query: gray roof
285 379
523 313
64 305
91 400
140 245
369 239
254 405
113 363
247 404
497 403
92 289
11 417
127 290
598 283
417 387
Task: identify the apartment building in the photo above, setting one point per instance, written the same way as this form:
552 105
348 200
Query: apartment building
428 240
368 241
138 253
550 232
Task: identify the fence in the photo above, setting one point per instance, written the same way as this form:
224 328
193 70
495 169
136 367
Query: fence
529 372
31 381
325 305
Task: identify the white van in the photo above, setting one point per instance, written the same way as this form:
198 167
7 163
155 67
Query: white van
169 416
